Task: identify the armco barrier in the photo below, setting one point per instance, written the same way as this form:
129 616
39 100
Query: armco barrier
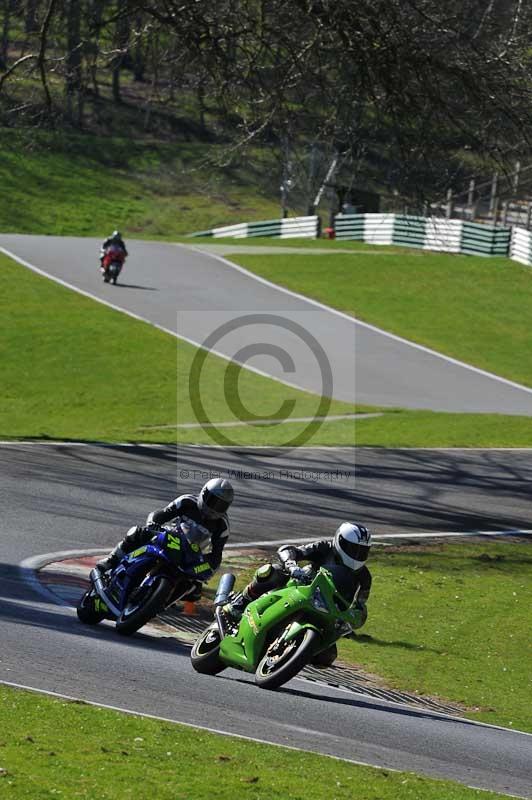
409 231
429 233
521 246
443 235
288 228
485 240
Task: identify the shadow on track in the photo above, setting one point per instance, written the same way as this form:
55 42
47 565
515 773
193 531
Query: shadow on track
391 491
121 285
20 603
383 707
357 701
62 619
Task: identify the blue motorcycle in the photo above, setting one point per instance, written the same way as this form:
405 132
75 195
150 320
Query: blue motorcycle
148 580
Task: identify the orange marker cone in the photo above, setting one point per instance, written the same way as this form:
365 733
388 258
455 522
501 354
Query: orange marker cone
189 608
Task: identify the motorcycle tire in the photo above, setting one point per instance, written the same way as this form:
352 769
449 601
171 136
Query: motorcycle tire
134 616
326 658
114 281
272 670
205 652
86 611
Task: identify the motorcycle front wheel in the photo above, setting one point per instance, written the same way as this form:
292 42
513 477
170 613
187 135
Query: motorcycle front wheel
283 661
205 656
138 612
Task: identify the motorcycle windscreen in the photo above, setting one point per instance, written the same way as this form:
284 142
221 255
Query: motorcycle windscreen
196 534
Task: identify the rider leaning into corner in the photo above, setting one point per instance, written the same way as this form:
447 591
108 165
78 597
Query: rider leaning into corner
116 239
207 510
347 552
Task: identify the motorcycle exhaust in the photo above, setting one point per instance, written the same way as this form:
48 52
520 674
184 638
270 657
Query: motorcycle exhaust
98 585
225 587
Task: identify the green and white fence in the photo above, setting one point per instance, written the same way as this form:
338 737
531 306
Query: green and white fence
429 233
288 228
521 246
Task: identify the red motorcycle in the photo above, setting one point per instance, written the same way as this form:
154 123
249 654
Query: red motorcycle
112 263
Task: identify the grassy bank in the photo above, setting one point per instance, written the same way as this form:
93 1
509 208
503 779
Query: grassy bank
87 186
454 620
60 748
389 429
472 308
73 369
451 621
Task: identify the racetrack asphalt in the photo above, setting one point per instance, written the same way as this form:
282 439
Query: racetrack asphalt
60 497
73 497
199 295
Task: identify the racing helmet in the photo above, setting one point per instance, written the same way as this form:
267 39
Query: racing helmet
116 235
351 545
215 497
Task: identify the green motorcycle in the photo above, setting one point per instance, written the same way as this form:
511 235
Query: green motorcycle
280 632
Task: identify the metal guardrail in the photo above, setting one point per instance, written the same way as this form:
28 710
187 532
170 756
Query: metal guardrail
428 233
521 246
287 228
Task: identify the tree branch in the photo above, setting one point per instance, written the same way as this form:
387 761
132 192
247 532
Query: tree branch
13 67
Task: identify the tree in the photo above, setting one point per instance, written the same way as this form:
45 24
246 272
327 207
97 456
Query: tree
122 32
423 78
73 63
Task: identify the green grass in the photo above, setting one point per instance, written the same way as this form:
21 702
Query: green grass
74 369
61 379
475 309
435 429
450 621
308 244
53 747
393 429
453 620
87 186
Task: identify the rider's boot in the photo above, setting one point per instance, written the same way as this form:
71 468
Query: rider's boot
109 563
236 607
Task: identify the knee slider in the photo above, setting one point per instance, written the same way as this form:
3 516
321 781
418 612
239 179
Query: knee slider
263 573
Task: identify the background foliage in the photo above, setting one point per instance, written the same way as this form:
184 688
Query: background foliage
408 94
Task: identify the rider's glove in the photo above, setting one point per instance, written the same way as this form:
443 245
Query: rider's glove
360 615
298 574
153 526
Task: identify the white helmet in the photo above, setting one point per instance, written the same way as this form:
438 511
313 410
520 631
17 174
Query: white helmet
351 544
215 497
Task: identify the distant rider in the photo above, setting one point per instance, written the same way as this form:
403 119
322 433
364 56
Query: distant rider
348 549
116 239
208 510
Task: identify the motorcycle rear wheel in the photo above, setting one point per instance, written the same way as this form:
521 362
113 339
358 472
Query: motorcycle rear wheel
86 611
274 668
204 655
135 615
